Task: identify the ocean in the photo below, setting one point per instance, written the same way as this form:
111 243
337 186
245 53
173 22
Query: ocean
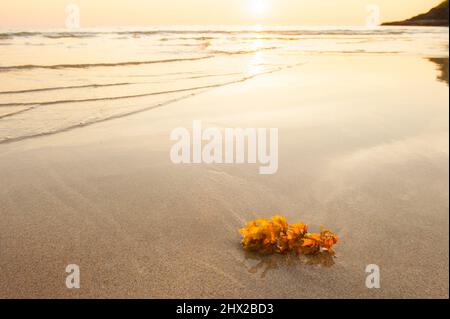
56 80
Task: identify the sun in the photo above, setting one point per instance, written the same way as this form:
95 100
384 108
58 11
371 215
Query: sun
259 8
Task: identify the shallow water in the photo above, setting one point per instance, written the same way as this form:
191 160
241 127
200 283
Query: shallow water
55 80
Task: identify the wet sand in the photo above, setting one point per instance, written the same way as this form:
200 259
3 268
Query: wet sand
363 151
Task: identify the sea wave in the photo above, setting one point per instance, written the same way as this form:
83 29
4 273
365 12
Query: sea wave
198 33
123 97
65 88
237 52
94 65
192 91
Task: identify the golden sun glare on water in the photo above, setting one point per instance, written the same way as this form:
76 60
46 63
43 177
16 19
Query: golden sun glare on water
258 8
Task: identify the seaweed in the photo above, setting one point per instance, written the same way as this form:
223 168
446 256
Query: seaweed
275 235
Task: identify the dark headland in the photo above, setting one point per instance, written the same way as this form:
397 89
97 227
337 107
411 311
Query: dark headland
436 17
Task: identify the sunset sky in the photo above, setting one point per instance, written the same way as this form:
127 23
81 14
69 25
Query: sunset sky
51 13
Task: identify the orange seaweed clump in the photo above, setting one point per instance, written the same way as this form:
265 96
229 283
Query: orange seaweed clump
328 239
265 235
275 235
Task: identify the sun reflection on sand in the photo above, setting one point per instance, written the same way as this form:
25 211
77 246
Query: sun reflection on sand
257 59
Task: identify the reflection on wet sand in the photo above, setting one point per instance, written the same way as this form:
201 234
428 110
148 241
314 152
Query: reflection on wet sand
442 67
265 263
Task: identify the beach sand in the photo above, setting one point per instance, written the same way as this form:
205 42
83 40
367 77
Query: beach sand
363 143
